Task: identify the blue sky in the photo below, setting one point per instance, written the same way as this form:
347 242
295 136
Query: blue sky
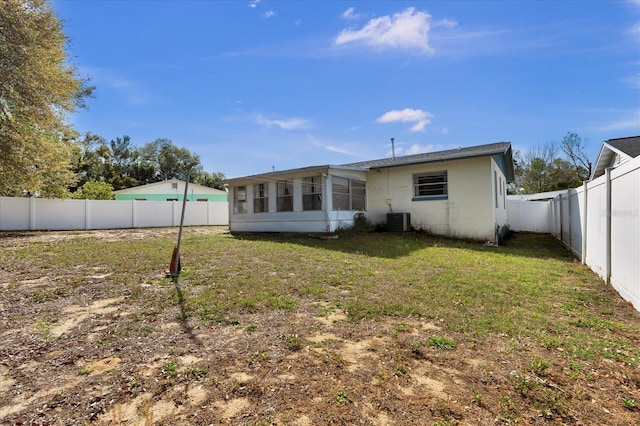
253 86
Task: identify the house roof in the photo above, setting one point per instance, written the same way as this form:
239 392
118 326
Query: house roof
628 148
282 174
149 188
502 150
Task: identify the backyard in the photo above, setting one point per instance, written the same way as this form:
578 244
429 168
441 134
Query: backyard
367 328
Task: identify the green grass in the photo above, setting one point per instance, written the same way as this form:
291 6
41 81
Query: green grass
531 288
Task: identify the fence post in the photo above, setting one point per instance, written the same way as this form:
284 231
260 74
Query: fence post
584 223
32 213
569 219
607 240
87 211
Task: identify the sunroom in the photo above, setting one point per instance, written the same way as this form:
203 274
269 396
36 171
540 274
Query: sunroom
312 199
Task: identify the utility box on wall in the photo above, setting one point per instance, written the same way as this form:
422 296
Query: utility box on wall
398 222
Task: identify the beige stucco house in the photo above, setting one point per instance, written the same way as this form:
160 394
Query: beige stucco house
458 193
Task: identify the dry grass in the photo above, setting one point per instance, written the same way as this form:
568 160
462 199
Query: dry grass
291 329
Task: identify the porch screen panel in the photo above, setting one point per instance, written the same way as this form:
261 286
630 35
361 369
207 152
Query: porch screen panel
340 193
312 193
284 196
260 198
240 200
358 195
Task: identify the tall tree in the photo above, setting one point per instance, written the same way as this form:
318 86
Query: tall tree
38 89
212 180
541 170
574 148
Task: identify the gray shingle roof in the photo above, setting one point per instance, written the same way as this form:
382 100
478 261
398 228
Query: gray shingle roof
630 145
499 148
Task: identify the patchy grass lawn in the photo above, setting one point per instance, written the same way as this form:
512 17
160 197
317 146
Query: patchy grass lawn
285 329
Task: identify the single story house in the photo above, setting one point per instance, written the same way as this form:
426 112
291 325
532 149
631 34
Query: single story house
458 193
615 152
171 190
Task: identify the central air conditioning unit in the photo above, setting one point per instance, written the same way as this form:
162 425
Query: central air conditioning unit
398 222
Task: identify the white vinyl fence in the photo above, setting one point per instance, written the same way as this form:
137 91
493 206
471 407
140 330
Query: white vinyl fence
36 214
599 222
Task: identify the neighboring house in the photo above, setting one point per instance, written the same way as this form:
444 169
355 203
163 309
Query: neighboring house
171 190
458 193
615 152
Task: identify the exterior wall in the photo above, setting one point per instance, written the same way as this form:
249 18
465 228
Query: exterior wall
162 191
499 192
468 211
298 220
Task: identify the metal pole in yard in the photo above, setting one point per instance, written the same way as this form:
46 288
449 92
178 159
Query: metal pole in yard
176 256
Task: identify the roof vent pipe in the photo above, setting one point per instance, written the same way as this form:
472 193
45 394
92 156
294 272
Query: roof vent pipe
393 148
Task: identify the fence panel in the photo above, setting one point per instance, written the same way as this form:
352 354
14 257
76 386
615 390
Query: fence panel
110 214
15 213
596 256
576 209
528 216
23 214
57 215
625 231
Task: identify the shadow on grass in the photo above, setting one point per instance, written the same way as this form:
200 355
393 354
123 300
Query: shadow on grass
184 324
397 245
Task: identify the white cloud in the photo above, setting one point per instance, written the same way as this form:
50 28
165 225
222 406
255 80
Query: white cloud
633 80
254 3
350 15
629 123
337 149
408 29
448 23
288 124
269 14
408 115
419 149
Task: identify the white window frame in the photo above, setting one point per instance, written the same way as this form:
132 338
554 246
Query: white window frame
431 186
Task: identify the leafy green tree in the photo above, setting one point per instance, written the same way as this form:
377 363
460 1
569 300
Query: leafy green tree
541 170
212 180
89 163
174 162
94 190
38 90
122 155
168 161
